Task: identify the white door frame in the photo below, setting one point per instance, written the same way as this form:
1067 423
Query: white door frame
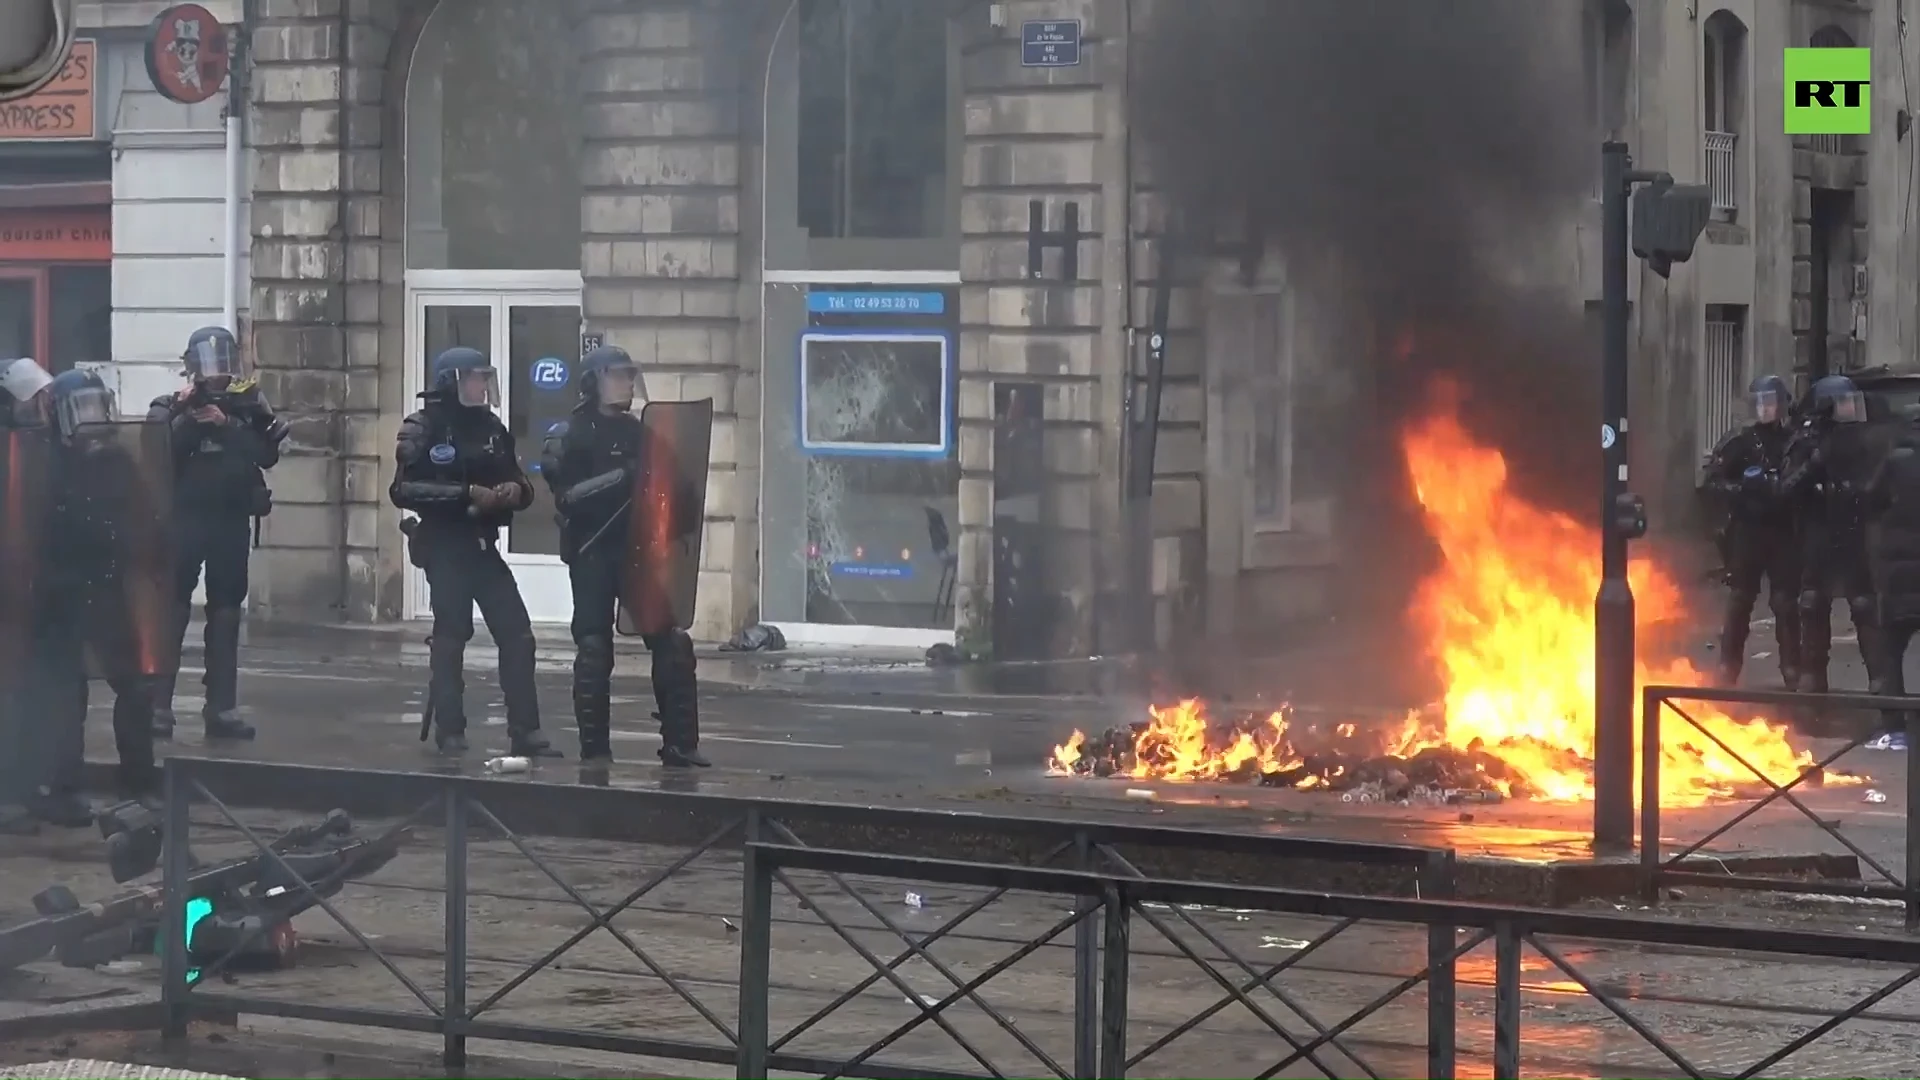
499 290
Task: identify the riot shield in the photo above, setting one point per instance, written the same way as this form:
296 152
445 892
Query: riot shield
26 484
116 524
661 566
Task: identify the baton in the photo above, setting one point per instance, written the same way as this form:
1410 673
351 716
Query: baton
426 711
605 525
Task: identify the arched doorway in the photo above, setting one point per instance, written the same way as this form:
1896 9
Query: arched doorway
860 464
492 242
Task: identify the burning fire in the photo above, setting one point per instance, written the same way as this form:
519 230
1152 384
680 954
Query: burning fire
1508 618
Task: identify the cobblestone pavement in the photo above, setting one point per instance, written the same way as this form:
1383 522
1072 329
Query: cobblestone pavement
1723 1011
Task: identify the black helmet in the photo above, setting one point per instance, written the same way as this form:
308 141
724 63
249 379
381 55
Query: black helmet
464 376
610 377
1836 398
1770 397
212 355
80 398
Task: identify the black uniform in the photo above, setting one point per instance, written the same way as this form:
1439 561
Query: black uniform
448 455
219 491
1827 468
84 616
1893 552
1757 541
589 462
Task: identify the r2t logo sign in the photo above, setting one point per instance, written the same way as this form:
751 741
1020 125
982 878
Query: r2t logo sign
549 373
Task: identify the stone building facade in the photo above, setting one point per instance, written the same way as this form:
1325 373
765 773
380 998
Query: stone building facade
849 283
648 178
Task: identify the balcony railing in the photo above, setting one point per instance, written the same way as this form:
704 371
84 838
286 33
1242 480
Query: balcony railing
1720 171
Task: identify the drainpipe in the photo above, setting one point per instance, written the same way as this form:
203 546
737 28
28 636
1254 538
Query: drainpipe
343 26
235 159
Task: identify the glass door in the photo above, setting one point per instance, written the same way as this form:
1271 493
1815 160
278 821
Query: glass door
23 323
533 340
539 385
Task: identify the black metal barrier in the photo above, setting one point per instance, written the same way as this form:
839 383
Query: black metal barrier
1657 871
1109 900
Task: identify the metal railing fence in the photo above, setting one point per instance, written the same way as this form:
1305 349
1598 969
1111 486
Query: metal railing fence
1108 906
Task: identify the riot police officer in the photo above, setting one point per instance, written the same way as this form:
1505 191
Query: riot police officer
459 472
1893 552
590 462
224 436
1757 541
25 485
108 543
1828 464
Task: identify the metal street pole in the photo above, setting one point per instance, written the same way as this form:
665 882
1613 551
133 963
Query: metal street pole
1613 606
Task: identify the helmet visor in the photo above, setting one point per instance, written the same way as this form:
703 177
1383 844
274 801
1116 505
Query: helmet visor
1850 408
478 388
213 360
618 386
1767 406
89 405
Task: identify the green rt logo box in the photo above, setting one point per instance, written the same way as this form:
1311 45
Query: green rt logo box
1827 91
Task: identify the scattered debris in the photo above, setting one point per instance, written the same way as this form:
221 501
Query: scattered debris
915 900
941 654
756 637
1268 941
505 765
1143 794
1875 796
732 927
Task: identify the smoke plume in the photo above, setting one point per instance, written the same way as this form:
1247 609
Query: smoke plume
1414 158
1419 165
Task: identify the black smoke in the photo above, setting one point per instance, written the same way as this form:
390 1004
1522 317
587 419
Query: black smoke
1400 154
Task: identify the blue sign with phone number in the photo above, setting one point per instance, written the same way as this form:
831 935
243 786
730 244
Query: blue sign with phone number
877 303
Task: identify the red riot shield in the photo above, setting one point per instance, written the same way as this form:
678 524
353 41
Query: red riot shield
661 570
117 491
26 459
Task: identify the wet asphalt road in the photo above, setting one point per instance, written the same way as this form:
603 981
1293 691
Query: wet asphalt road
864 724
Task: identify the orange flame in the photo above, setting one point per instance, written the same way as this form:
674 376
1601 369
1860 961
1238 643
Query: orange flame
1508 621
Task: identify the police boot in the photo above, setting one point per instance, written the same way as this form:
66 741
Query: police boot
680 733
164 686
532 744
596 736
592 698
222 714
60 807
449 732
163 706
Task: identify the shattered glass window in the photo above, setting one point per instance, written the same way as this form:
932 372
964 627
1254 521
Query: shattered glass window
874 393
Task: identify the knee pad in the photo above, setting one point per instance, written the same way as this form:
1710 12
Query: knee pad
1861 608
1813 602
595 655
682 651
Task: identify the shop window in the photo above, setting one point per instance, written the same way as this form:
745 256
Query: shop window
493 140
80 315
873 119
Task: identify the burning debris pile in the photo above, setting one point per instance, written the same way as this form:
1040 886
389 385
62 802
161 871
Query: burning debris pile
1407 762
1507 618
